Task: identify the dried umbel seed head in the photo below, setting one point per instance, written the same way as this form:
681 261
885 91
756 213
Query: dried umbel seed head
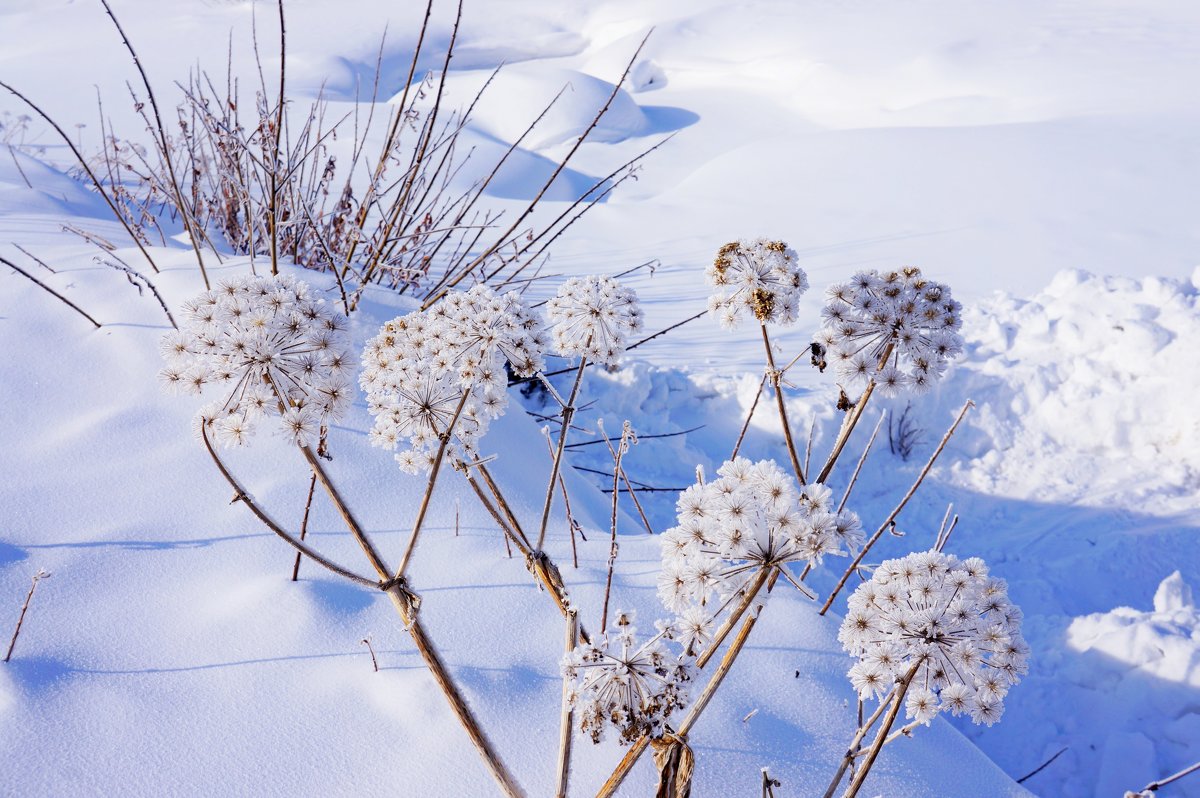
594 317
634 688
760 277
752 516
419 367
268 347
894 328
947 618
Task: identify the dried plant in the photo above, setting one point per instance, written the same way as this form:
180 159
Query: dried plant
39 576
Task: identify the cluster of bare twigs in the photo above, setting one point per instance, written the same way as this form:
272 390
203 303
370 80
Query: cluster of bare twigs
262 178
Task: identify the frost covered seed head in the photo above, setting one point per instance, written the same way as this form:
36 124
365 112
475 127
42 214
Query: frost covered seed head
895 328
758 277
752 516
417 369
594 317
271 348
947 618
616 682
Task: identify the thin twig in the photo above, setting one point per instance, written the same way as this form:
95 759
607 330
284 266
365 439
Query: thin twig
40 575
861 460
87 170
890 520
434 470
568 412
374 662
312 487
746 424
49 290
35 259
1059 753
241 495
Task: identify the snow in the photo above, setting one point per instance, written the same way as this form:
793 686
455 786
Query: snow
1041 158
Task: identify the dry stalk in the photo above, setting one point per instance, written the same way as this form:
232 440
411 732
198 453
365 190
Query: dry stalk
746 424
946 528
776 378
503 238
164 144
619 469
609 788
861 460
567 721
435 469
562 485
312 487
405 602
87 170
852 417
568 412
853 751
622 447
366 641
882 735
49 290
39 576
890 520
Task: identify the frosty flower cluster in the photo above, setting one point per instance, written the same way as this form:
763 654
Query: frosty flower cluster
635 688
594 317
896 328
947 618
752 516
758 277
420 367
271 348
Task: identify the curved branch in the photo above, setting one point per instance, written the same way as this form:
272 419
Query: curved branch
274 527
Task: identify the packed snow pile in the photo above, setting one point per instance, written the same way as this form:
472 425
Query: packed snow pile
1087 391
1135 690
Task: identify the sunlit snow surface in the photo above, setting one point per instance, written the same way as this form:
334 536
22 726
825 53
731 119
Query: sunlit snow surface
994 145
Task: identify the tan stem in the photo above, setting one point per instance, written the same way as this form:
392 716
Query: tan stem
775 376
631 757
458 704
748 595
892 516
881 735
434 470
567 413
568 717
861 460
851 419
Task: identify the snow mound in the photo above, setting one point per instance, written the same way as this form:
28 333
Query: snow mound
520 93
1142 672
1093 379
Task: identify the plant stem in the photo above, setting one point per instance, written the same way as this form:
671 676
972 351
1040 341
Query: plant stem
775 376
892 516
49 290
881 735
630 759
746 424
851 419
861 460
612 551
748 595
568 716
404 605
40 575
433 475
568 412
312 487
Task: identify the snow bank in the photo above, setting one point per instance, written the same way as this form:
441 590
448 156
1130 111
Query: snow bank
1093 381
1139 675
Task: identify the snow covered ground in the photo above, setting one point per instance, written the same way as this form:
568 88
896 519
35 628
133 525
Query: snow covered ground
1022 148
